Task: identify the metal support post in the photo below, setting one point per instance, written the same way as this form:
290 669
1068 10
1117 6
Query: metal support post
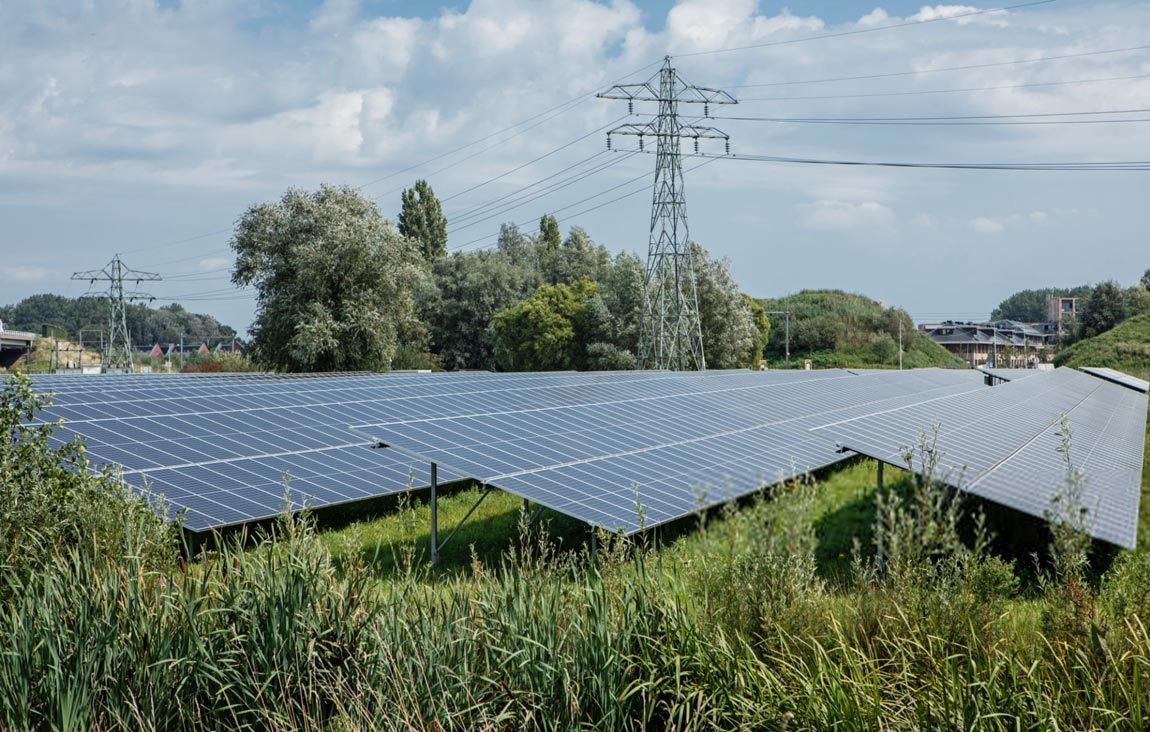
434 516
878 515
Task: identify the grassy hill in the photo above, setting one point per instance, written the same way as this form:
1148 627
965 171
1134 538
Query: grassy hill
1126 347
836 329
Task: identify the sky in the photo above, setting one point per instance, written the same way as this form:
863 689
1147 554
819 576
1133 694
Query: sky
146 128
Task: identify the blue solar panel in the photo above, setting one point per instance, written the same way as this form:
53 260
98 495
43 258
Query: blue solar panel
1003 444
649 453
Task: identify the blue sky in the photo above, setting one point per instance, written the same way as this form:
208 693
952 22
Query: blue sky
147 128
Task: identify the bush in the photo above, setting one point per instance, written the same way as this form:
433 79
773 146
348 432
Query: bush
51 500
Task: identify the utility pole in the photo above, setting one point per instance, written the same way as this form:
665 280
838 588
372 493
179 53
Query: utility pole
118 347
670 335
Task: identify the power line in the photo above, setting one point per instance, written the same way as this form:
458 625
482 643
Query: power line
968 67
861 31
644 189
972 119
869 95
1076 166
548 154
555 187
487 205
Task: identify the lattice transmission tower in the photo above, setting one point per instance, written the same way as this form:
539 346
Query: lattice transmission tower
670 334
118 345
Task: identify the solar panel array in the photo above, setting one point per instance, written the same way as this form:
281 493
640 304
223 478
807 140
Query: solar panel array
1119 378
621 451
217 447
1003 444
639 453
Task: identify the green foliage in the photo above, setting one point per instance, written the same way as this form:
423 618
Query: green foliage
334 281
421 218
539 334
762 323
1126 347
1029 306
730 337
1103 309
1137 300
578 258
1145 281
471 288
147 325
50 501
836 329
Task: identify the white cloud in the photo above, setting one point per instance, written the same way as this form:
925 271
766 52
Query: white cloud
985 225
27 274
845 216
999 224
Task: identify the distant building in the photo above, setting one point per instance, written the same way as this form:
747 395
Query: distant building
1002 343
1061 309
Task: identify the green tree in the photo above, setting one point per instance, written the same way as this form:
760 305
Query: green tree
622 294
1029 306
421 218
547 243
1145 281
762 323
730 338
1104 309
1137 300
577 258
539 334
471 288
333 280
517 248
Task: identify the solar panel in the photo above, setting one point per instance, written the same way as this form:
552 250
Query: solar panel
646 454
217 447
1003 444
1118 377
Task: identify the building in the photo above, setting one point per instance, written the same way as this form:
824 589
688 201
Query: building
1061 309
1002 343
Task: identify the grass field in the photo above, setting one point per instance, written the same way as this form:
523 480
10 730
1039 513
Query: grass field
773 613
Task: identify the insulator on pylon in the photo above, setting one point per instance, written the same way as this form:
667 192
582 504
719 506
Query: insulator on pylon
630 106
728 147
696 146
706 109
608 142
640 142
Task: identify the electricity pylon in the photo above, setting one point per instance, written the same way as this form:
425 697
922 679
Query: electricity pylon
670 335
118 346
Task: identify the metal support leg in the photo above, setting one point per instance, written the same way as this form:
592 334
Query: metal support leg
434 515
878 515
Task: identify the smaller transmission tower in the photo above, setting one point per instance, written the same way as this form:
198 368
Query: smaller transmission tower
670 335
118 345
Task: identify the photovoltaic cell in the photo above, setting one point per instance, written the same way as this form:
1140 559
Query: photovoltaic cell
1118 377
649 455
1003 444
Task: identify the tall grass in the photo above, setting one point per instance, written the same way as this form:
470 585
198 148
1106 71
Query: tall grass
740 633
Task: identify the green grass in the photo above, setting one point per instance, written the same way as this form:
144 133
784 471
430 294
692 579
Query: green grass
1126 347
836 329
392 543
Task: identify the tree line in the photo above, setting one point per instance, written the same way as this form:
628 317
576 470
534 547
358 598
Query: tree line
147 326
339 287
1100 307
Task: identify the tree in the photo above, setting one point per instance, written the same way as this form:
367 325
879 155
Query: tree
577 258
540 333
471 288
1104 309
1029 306
333 280
622 294
421 218
517 248
1137 300
730 338
547 243
1145 281
762 323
